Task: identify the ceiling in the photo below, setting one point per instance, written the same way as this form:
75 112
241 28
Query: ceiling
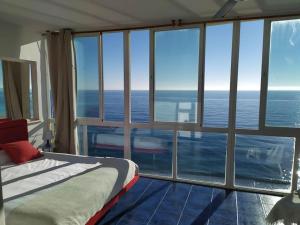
44 15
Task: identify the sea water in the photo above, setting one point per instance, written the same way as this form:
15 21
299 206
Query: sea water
262 161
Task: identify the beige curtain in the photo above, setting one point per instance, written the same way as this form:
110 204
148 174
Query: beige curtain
16 89
60 57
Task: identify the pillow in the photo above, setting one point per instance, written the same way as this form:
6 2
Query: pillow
20 151
4 158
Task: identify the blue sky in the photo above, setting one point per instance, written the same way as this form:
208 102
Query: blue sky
177 56
284 66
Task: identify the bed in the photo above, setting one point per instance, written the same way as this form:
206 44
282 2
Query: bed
59 188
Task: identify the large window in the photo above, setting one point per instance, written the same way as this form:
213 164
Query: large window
2 99
217 75
249 74
202 156
105 141
113 76
283 102
139 77
264 161
87 76
176 75
152 150
172 70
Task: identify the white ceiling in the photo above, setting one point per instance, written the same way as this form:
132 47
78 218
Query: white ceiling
44 15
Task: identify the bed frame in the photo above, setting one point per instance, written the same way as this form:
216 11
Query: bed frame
17 130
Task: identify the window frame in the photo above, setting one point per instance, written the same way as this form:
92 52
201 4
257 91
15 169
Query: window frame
231 130
201 63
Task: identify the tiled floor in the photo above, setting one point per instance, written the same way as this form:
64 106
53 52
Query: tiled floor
160 202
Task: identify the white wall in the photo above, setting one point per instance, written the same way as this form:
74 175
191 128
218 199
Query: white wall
21 43
9 40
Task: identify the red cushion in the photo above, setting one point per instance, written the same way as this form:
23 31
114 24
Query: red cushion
20 151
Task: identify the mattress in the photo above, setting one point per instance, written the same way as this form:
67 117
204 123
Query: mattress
62 189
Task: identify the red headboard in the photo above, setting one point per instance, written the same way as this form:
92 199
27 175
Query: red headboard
13 130
4 120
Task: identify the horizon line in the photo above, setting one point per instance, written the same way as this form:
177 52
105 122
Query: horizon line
271 89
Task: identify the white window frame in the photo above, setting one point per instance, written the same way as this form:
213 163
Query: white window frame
231 130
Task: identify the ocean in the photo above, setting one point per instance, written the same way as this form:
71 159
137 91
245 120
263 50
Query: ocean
260 161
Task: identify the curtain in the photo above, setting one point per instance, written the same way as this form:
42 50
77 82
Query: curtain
62 79
16 89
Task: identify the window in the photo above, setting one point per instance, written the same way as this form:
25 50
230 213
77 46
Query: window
87 76
217 75
80 133
202 156
176 75
152 150
113 75
249 74
283 100
2 98
105 141
200 140
139 68
264 161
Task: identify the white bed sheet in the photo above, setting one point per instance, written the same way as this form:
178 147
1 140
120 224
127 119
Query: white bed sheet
19 182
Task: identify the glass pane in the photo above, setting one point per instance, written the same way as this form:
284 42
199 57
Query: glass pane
113 75
283 100
139 68
264 161
217 75
86 49
2 98
176 75
80 139
152 151
202 156
105 141
249 74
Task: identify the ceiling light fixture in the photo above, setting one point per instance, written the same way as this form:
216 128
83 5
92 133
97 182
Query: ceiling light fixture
226 8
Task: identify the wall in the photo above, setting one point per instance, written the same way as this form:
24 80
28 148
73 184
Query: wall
21 43
32 48
9 40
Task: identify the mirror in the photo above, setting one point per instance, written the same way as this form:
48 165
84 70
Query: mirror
17 92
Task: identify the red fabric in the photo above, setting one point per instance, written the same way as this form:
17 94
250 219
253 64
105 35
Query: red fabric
13 130
20 151
99 215
4 120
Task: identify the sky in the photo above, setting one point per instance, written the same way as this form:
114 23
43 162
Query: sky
177 56
284 66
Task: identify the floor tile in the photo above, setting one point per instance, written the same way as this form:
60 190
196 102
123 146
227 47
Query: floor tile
158 202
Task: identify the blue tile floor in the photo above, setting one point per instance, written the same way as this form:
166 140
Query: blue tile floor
160 202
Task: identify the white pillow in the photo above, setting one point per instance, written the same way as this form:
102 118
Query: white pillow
4 158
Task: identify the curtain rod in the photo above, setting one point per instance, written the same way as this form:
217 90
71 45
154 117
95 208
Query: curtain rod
217 20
